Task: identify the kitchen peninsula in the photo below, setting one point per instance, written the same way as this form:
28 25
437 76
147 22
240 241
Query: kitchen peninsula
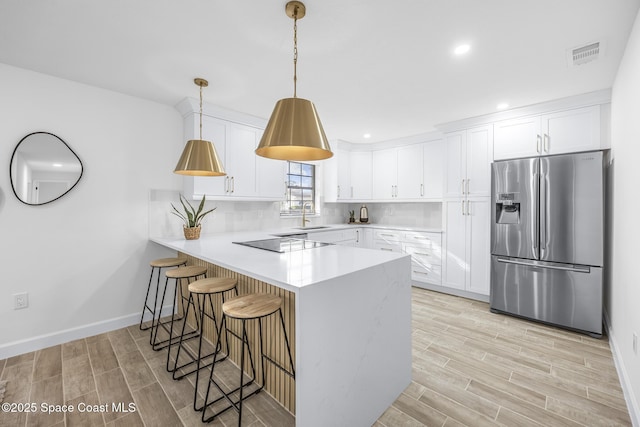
348 315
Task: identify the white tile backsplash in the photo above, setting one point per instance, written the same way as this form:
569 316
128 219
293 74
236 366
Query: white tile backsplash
231 216
420 215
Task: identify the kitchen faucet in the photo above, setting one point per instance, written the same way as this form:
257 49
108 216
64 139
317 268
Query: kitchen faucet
304 213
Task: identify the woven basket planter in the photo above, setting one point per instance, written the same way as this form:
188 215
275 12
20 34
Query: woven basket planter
191 233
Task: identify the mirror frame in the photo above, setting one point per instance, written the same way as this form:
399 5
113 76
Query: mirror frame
13 187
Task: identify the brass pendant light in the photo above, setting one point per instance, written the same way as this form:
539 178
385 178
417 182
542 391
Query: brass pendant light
294 131
199 157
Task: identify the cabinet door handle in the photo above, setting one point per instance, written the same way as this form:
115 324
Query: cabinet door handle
226 184
546 143
421 190
463 186
468 185
338 191
357 236
468 207
233 184
392 191
538 143
462 205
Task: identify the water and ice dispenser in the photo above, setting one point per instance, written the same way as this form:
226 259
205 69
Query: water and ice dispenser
507 208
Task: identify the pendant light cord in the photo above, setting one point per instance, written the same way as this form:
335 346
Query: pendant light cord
295 51
201 112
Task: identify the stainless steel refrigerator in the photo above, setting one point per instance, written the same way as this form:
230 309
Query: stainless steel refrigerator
547 239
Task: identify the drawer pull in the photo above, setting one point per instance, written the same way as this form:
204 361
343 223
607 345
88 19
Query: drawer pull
421 272
420 238
386 249
421 253
388 235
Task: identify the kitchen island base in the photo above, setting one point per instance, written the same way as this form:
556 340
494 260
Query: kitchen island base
347 312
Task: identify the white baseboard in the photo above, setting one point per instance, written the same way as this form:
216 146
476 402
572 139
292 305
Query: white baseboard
43 341
625 381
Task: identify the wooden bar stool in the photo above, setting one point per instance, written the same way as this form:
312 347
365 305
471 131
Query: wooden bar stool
203 289
158 264
190 273
243 308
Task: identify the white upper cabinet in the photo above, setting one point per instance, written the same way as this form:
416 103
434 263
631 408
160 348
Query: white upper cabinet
411 172
343 174
433 163
561 132
249 176
385 180
270 176
336 177
240 160
468 160
361 173
410 176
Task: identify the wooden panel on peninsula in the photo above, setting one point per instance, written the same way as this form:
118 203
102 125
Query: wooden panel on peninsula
278 384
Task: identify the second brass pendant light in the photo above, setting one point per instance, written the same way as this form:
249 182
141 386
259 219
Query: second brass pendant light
294 131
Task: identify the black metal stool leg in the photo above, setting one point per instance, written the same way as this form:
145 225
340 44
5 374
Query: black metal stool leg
146 307
155 342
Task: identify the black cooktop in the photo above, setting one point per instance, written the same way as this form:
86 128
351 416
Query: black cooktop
282 244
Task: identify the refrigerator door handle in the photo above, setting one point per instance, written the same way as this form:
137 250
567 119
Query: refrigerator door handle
536 215
543 212
575 268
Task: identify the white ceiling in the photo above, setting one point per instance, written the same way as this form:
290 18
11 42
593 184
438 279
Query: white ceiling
382 67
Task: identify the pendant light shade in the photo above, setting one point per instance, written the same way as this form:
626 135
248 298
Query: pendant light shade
294 131
199 157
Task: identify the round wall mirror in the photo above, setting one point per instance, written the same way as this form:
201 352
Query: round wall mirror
43 168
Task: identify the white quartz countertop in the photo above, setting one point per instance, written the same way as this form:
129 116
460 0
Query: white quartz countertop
289 270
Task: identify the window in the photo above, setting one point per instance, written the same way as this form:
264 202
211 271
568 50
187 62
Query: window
301 189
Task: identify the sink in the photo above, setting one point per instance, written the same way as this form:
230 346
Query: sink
317 227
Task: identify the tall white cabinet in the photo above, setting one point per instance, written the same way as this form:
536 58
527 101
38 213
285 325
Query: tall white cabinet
467 210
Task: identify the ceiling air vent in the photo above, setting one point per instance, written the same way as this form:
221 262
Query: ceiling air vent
584 54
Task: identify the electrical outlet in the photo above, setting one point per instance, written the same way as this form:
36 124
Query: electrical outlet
20 300
635 343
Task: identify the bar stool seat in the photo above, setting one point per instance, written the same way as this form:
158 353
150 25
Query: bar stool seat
213 285
189 273
158 264
252 306
244 308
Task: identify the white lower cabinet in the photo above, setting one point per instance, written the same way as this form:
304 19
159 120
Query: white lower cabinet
466 242
424 248
344 237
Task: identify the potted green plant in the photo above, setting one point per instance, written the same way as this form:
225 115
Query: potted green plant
352 216
191 217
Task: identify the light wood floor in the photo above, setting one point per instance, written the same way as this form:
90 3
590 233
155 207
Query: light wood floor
470 367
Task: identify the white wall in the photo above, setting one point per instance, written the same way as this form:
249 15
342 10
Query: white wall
84 258
623 297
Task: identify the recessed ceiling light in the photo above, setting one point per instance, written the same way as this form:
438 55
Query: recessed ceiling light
462 49
366 135
57 165
502 106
